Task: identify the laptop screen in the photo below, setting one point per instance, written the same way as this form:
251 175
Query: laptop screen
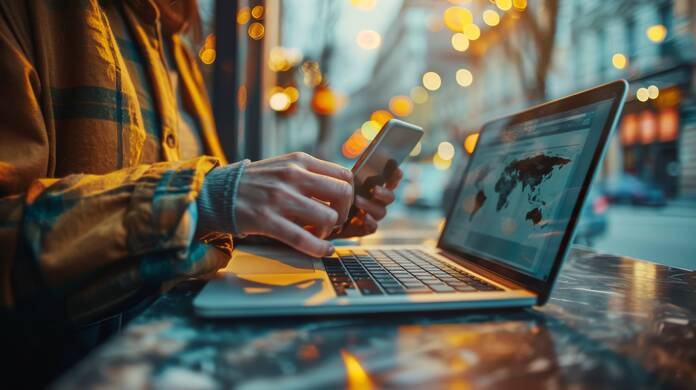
522 185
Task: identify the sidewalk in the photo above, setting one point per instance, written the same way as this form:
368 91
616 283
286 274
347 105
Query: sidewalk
661 235
681 207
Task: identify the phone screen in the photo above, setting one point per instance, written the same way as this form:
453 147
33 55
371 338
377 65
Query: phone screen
384 155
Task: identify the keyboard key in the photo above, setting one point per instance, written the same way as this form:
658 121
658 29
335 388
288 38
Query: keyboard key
368 287
418 290
442 288
398 272
464 288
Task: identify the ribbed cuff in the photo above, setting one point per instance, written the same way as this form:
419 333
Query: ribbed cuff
217 199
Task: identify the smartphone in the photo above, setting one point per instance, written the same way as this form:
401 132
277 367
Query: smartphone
382 157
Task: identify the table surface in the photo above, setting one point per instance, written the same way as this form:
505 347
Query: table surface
612 323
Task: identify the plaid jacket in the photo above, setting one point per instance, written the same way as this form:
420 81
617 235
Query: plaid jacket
82 221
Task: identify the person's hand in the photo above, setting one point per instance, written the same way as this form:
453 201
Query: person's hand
279 197
372 210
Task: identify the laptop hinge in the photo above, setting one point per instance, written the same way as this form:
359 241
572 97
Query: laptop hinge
483 271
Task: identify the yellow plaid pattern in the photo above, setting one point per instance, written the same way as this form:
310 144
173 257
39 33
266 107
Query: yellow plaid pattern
83 217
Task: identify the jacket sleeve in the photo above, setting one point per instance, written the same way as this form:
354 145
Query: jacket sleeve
99 239
86 243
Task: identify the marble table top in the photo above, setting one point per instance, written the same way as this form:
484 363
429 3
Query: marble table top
612 323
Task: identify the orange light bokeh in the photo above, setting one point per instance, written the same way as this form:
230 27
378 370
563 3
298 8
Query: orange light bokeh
381 117
669 124
648 127
325 101
629 129
456 18
401 105
355 145
256 31
470 142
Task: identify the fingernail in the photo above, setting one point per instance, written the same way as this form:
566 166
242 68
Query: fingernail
330 251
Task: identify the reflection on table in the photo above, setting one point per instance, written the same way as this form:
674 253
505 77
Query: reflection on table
612 322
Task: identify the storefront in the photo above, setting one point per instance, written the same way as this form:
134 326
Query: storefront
655 131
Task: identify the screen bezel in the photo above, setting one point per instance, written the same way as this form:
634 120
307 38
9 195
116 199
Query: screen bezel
615 90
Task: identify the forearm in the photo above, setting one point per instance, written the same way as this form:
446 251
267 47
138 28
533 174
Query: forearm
78 228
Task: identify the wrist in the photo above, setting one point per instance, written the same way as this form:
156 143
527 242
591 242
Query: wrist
217 199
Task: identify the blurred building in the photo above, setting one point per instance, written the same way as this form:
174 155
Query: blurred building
404 57
650 43
548 49
657 136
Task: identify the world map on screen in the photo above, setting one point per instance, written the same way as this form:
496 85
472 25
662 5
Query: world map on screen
530 173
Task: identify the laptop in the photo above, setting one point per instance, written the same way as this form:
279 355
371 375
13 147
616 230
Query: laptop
505 237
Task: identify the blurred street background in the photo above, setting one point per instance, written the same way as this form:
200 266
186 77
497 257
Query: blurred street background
322 76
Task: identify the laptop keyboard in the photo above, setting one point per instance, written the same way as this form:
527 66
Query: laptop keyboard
395 272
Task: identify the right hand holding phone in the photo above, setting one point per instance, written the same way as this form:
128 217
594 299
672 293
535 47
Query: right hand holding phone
279 197
371 209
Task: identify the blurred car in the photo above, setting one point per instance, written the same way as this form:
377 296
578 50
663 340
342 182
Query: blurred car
593 218
629 189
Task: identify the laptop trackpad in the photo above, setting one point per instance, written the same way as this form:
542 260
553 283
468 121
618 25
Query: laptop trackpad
259 260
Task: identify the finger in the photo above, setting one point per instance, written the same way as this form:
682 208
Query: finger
374 209
367 226
306 211
327 168
338 193
395 179
383 195
298 238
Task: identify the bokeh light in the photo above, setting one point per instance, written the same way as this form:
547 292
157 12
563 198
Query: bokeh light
368 39
472 32
256 31
325 101
279 101
207 53
470 142
491 18
381 117
445 150
419 95
464 77
363 5
440 163
257 12
653 92
312 74
354 145
208 56
642 94
292 93
243 15
504 5
619 61
432 81
370 129
519 5
460 42
401 105
656 33
456 18
281 59
416 150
